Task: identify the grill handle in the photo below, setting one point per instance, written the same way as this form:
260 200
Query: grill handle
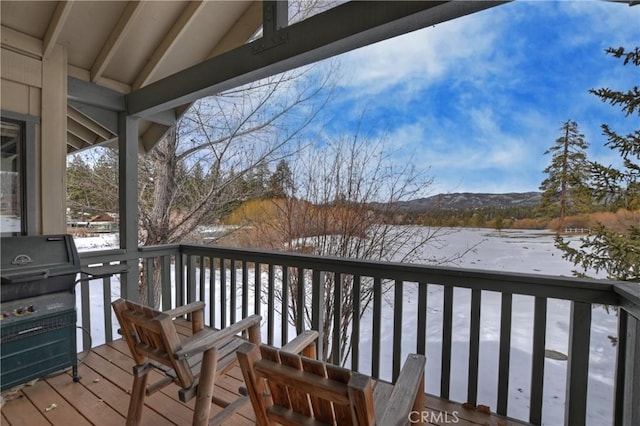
23 278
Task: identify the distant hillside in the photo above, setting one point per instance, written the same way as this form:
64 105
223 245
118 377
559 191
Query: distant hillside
467 200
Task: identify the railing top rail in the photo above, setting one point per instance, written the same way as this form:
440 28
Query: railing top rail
102 256
567 288
115 255
161 248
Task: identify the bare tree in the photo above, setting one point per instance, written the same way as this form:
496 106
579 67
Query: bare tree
206 164
344 203
196 174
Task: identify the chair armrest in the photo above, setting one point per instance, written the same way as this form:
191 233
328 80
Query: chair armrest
186 309
208 337
301 342
407 393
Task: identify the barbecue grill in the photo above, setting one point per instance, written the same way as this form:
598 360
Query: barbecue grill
38 305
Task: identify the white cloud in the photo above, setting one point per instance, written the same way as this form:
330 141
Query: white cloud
483 155
479 99
421 57
619 22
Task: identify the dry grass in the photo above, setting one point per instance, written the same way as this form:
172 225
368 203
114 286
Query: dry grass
619 221
529 223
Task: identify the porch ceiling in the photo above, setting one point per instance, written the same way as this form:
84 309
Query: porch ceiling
123 46
152 58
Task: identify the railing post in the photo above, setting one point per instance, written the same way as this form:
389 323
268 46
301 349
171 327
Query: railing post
245 287
537 359
397 328
257 302
627 397
233 296
201 276
223 294
337 317
355 328
106 299
618 400
270 303
474 347
149 271
191 279
86 313
578 364
284 314
447 328
166 282
377 319
179 277
212 292
421 344
317 305
506 308
300 301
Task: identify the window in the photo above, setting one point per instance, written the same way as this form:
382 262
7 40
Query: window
12 177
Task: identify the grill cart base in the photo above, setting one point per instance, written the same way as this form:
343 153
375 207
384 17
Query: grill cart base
38 338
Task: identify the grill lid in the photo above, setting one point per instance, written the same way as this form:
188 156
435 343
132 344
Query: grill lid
37 264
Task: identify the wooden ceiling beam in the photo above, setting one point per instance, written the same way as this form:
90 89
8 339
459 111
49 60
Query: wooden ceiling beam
171 38
103 117
115 40
75 142
153 135
60 15
241 30
95 128
82 133
338 30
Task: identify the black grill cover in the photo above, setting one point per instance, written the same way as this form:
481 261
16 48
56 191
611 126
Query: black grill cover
36 265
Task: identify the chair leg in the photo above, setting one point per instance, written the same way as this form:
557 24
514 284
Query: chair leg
205 387
136 403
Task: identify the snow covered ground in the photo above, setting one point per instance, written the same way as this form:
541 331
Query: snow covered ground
508 250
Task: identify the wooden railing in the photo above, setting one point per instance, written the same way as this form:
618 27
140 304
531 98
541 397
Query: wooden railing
236 283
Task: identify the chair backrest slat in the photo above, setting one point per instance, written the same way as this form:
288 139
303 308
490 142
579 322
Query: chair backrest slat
342 412
299 399
309 388
276 392
322 408
361 396
151 334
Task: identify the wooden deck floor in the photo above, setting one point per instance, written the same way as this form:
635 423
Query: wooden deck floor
101 398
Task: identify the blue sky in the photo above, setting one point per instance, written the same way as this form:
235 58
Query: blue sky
477 101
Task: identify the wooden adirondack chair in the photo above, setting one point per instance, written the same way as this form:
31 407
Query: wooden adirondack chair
290 389
193 363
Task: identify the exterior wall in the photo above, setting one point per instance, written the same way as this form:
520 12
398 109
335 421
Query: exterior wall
36 86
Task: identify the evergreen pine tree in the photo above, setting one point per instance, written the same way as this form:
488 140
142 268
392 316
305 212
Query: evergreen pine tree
563 191
281 181
616 253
